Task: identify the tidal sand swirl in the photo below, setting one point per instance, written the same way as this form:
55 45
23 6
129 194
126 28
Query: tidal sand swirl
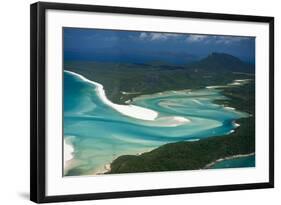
97 131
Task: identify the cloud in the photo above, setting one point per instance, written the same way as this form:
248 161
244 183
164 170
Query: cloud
192 38
158 36
196 38
143 35
229 39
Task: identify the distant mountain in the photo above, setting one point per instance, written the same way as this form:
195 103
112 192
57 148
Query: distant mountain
223 62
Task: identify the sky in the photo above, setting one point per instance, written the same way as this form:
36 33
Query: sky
145 47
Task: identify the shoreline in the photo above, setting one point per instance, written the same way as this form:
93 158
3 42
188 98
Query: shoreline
68 155
107 167
237 82
147 163
128 110
208 166
134 111
68 151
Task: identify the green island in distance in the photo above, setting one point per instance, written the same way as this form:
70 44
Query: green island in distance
124 81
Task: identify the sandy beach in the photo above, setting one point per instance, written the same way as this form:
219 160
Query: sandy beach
226 158
237 82
136 111
67 154
128 110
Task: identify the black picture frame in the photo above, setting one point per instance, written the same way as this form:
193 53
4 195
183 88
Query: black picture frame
38 101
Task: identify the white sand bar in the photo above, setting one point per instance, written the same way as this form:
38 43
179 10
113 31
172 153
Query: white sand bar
128 110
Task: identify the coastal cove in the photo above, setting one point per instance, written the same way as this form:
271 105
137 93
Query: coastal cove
98 132
236 161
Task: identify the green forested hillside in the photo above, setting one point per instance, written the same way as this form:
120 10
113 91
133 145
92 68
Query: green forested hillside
216 69
190 155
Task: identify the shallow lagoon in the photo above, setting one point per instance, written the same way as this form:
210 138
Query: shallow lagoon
100 131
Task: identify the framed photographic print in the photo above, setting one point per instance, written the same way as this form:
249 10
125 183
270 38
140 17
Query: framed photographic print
129 102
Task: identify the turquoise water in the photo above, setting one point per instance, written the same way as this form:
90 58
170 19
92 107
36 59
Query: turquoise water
248 161
100 133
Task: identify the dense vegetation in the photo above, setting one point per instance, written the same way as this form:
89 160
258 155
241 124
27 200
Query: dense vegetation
189 155
216 69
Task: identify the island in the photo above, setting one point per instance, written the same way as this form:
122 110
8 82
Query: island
227 77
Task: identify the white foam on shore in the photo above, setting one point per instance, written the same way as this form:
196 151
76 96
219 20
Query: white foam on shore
234 83
128 110
236 124
216 86
227 158
129 93
128 101
68 152
243 80
192 140
231 131
229 108
237 82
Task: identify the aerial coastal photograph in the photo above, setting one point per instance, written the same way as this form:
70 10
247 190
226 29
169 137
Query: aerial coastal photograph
146 101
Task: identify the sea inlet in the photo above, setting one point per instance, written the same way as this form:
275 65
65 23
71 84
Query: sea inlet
97 131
